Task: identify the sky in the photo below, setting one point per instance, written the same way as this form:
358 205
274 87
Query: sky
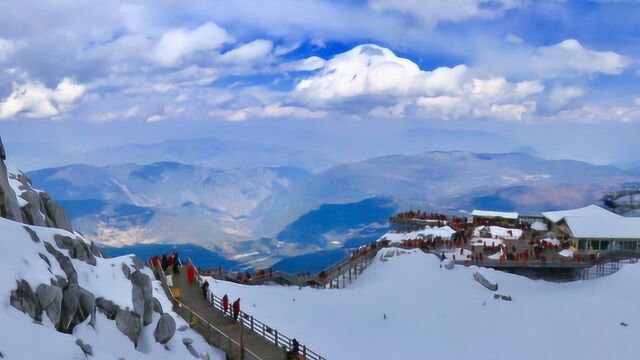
557 76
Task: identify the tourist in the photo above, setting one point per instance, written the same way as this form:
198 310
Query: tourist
236 309
205 288
190 273
176 265
164 262
225 303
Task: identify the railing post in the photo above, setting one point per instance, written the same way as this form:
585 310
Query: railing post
276 335
252 323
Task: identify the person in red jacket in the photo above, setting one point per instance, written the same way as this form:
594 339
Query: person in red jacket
225 303
190 273
236 309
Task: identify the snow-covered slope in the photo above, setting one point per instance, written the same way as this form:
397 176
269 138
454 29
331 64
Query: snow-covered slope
60 299
434 313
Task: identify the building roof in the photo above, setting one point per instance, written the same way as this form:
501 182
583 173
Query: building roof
495 214
612 227
587 211
539 226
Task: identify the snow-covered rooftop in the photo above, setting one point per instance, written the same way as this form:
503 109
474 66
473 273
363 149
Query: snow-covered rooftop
587 211
612 227
500 214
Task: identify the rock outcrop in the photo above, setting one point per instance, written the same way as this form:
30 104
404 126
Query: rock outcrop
130 324
50 300
142 295
9 208
24 299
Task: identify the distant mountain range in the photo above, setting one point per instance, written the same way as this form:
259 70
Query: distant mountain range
264 214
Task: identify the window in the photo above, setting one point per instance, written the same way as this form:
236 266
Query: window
582 244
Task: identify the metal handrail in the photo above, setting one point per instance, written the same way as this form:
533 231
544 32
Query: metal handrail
178 305
269 333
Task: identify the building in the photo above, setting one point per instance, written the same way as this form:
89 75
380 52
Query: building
482 216
594 229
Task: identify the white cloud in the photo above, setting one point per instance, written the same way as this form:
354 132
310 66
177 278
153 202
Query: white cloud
570 56
308 64
514 39
33 99
373 70
180 42
373 74
7 48
249 53
562 95
269 111
433 11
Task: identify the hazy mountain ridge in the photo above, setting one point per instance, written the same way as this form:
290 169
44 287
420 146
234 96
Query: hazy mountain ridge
227 210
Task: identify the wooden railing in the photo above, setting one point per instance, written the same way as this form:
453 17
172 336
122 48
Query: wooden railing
269 333
210 332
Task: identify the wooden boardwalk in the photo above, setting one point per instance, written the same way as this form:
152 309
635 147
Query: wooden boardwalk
201 314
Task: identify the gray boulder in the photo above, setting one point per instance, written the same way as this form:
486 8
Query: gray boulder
70 304
130 324
142 295
50 300
86 348
165 329
157 307
188 343
33 212
9 207
87 306
107 307
24 299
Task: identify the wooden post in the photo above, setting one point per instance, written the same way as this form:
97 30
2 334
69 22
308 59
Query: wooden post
241 339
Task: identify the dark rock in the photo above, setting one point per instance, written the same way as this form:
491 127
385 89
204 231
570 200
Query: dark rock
107 307
55 213
77 248
3 154
130 324
87 306
183 328
50 300
95 250
64 262
33 212
126 270
505 297
486 283
86 348
137 263
165 329
25 300
32 234
9 207
45 259
157 307
188 343
142 295
70 304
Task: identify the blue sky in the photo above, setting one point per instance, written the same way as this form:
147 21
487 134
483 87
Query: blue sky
507 65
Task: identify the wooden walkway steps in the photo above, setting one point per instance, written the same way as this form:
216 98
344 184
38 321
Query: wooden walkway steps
245 339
